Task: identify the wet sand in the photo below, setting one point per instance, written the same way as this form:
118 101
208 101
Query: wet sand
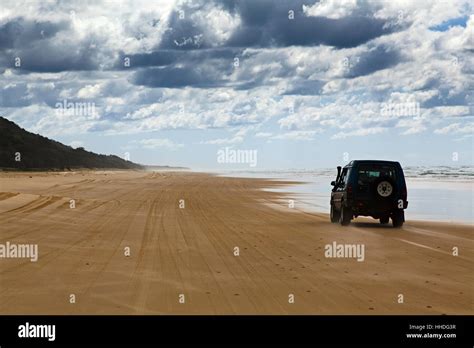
189 251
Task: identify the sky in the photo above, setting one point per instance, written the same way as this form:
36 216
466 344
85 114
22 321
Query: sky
300 84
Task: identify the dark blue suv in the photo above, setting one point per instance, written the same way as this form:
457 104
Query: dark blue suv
369 188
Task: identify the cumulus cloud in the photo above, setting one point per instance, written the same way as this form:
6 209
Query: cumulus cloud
89 91
456 128
359 132
297 65
376 58
334 9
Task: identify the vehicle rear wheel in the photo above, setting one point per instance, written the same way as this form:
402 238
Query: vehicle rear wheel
346 216
398 218
334 214
384 220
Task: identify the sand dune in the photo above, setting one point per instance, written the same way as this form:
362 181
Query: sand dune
190 251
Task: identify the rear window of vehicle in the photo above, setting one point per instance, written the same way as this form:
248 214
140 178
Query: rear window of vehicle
370 173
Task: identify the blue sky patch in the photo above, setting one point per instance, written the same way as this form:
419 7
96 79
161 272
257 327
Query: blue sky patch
453 22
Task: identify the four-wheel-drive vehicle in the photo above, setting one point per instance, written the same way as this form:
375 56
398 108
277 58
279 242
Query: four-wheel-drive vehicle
369 188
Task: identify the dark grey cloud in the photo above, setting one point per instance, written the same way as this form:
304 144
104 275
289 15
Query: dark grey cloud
177 77
186 47
21 32
155 58
210 68
165 57
56 58
184 33
256 81
377 58
309 31
265 23
305 87
186 56
198 68
36 44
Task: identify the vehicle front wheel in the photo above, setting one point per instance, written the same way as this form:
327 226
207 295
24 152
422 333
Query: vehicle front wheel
384 220
398 218
346 216
334 214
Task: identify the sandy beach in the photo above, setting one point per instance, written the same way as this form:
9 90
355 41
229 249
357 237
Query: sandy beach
182 228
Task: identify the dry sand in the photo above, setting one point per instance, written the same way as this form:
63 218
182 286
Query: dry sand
190 251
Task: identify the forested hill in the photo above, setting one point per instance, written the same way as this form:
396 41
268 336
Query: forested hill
22 150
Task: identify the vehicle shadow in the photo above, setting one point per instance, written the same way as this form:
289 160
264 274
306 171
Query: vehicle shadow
371 225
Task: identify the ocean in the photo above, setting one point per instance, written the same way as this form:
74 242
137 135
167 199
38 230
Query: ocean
434 193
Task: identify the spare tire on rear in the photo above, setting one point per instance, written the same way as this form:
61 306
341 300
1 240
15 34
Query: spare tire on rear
384 187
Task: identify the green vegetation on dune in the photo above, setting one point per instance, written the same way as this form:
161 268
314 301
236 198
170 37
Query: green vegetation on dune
39 153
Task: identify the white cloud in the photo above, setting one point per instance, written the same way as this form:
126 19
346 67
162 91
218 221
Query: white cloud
359 132
297 135
435 70
221 24
456 128
413 126
334 9
157 143
90 91
76 143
